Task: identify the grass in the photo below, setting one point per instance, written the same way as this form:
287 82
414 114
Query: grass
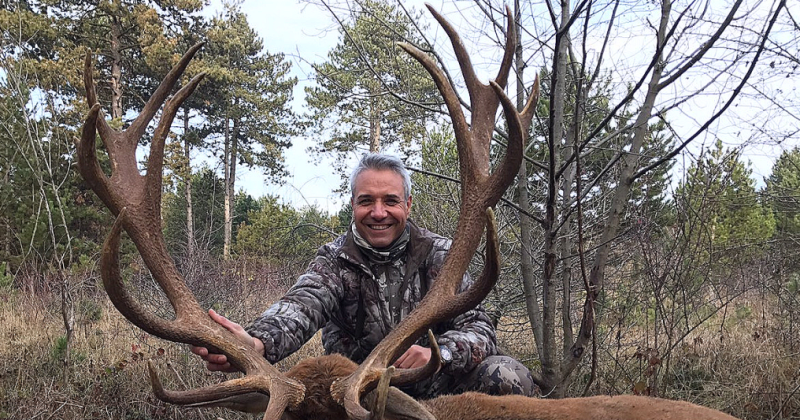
105 375
742 364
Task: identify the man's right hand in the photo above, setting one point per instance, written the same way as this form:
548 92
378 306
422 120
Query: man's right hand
219 362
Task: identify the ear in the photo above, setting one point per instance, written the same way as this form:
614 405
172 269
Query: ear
399 405
251 402
408 205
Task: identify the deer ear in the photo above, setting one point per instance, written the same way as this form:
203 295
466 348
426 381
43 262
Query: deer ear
252 402
399 406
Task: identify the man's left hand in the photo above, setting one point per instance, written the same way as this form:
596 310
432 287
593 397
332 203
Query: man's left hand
416 356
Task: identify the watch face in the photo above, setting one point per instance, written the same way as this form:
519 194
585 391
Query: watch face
446 356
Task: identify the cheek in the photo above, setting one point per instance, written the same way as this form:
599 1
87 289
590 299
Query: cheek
360 215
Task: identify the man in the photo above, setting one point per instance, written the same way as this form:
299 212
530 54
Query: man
363 283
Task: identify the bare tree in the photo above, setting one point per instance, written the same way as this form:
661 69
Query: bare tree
662 59
44 152
628 88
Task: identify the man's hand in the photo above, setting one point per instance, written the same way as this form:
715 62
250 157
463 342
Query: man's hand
416 356
219 362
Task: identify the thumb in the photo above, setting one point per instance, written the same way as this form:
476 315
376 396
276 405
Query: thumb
225 322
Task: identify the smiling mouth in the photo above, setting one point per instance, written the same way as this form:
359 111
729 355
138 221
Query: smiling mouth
379 227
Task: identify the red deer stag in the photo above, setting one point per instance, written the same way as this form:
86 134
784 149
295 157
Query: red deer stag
333 387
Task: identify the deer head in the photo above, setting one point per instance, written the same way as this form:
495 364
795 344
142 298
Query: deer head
136 201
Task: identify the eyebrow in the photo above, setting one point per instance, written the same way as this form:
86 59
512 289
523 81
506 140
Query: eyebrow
387 196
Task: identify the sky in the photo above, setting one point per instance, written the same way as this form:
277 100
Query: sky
298 30
303 30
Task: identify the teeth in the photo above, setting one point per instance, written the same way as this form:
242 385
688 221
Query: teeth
379 227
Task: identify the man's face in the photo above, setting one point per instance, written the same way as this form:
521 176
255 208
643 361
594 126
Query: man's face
380 210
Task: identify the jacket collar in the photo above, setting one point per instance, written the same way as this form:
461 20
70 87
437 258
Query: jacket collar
418 248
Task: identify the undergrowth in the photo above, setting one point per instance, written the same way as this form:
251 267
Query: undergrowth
742 364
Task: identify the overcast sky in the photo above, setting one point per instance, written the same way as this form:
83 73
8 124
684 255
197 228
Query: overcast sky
301 30
290 28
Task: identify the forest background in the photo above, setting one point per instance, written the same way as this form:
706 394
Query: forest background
649 243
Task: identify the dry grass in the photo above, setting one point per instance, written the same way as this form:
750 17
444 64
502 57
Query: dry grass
105 376
740 362
741 365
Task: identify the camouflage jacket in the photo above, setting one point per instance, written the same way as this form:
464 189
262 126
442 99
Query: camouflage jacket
340 280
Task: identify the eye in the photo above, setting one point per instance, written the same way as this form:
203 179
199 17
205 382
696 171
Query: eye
364 202
392 202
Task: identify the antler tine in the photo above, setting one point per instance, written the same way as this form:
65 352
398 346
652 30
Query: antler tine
136 199
139 125
155 162
88 164
482 98
410 376
451 102
114 286
518 126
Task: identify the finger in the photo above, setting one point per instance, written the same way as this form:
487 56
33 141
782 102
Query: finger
400 360
226 367
413 362
218 359
200 351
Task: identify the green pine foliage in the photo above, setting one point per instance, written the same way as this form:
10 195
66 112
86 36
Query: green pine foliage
719 199
370 88
783 192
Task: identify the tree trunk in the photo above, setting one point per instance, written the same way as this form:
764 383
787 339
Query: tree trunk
566 243
527 266
618 202
374 125
230 180
550 354
116 69
67 315
188 182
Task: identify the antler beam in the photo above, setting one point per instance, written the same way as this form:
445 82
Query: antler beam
136 200
480 190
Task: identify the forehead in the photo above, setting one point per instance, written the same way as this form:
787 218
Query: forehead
375 182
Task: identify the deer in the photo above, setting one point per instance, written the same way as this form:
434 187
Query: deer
332 386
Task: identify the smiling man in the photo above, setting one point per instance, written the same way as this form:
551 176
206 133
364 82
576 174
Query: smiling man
362 284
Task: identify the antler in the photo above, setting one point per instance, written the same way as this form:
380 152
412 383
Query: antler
479 192
136 200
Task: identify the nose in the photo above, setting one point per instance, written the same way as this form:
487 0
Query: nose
378 211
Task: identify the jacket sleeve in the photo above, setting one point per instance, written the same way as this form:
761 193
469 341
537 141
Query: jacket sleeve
291 321
471 336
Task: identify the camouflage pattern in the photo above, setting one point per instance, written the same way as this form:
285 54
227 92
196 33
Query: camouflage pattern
341 278
496 375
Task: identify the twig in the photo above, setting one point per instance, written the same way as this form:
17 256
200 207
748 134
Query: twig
786 400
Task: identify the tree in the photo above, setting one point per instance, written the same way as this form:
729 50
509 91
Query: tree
208 228
783 193
606 107
371 96
719 190
248 110
133 41
682 274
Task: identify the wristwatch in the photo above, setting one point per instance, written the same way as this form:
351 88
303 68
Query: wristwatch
447 357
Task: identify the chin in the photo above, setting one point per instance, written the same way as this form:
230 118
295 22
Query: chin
379 242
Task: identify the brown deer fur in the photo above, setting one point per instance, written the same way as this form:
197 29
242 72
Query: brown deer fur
318 373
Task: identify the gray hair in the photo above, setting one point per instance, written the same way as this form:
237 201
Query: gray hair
382 162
